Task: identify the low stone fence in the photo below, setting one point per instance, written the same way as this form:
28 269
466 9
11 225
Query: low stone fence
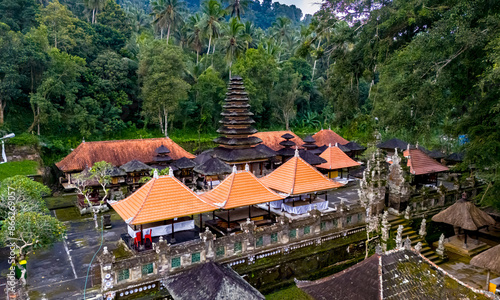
142 272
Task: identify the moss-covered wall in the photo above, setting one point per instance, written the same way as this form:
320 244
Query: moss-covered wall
308 263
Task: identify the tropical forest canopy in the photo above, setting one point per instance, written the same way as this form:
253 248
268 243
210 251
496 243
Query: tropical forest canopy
420 70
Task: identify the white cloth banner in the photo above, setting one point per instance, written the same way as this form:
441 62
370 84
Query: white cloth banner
298 210
164 229
276 204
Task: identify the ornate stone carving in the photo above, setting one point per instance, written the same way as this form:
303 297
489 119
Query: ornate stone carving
372 187
399 189
399 237
418 247
407 243
423 231
440 248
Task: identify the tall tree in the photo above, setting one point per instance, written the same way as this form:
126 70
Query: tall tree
161 68
94 6
211 21
233 41
168 13
285 94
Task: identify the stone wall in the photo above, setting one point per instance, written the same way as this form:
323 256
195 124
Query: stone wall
254 252
18 153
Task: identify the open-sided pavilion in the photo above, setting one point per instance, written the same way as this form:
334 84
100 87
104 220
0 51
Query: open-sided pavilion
336 160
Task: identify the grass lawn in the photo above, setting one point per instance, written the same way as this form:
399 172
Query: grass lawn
24 167
289 293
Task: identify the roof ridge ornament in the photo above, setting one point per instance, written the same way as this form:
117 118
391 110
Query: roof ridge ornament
330 145
170 172
234 169
337 144
296 151
155 174
83 140
247 167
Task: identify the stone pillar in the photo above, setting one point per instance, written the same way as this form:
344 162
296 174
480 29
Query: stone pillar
283 236
106 260
248 228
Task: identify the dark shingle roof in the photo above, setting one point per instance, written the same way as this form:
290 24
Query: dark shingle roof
184 163
162 150
311 158
213 166
231 155
455 157
210 281
355 146
135 166
392 144
436 154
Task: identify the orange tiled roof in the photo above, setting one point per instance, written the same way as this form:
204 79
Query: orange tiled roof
328 136
298 177
119 152
272 139
420 163
160 199
240 189
336 159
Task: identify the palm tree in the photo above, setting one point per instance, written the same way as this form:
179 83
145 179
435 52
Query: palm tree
94 6
213 15
249 35
237 7
193 32
233 41
281 31
159 15
139 18
168 14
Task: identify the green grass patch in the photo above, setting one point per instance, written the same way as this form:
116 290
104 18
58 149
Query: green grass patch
290 293
63 201
24 139
13 168
68 214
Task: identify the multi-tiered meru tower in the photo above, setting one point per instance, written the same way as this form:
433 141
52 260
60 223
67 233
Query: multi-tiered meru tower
236 145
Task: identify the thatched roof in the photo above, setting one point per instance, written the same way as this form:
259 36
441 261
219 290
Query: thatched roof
266 150
464 214
162 150
455 157
116 172
135 166
436 154
213 166
272 139
210 281
489 259
119 152
234 155
311 158
184 163
353 146
204 156
392 144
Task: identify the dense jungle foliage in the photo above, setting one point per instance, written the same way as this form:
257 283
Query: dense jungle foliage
420 70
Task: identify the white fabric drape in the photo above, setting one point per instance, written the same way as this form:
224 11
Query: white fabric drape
298 210
164 229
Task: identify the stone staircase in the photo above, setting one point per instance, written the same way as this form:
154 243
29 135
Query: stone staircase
409 232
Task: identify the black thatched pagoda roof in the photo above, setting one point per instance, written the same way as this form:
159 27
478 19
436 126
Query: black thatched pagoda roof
287 136
162 150
233 155
311 158
116 172
393 144
210 281
213 166
353 146
455 157
287 143
236 141
135 166
436 154
309 139
184 163
159 158
204 156
266 150
287 152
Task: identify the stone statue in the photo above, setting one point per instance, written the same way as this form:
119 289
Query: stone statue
422 232
407 243
378 249
399 237
418 247
407 212
440 248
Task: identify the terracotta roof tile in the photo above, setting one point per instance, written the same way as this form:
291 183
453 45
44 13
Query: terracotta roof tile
420 163
298 177
119 152
272 139
160 199
240 189
328 136
336 159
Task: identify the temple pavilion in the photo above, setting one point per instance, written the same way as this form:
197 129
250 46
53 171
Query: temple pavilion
152 152
301 183
424 168
161 207
237 198
236 143
336 160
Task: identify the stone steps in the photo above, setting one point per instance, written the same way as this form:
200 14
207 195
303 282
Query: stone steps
414 237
